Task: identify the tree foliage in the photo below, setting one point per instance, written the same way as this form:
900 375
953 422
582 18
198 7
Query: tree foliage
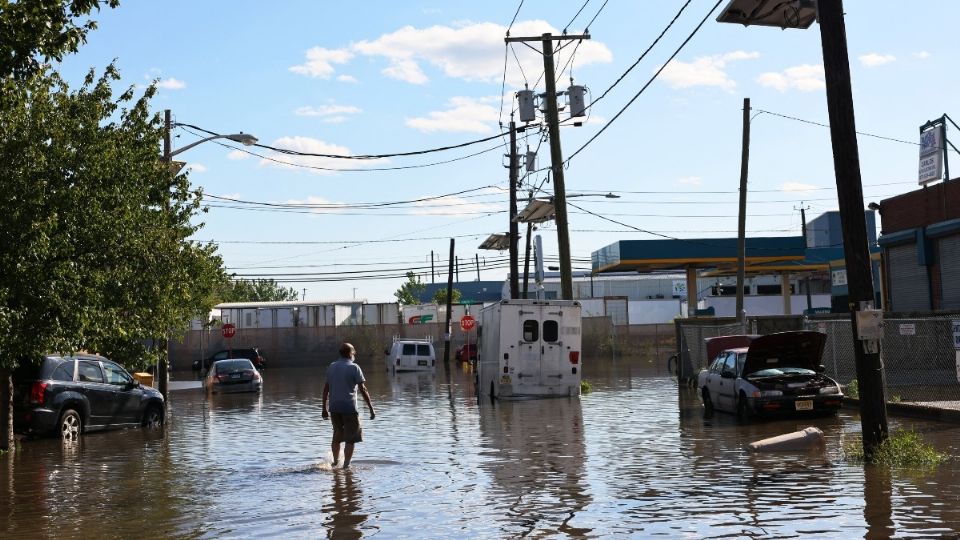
95 252
47 29
409 293
440 297
256 290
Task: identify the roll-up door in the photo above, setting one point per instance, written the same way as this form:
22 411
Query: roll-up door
950 271
909 286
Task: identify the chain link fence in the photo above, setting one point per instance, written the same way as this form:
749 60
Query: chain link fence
918 353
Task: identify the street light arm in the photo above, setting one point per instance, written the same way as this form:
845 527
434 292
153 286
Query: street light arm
244 138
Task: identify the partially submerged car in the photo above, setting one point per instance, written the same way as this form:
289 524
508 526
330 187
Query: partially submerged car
768 375
235 375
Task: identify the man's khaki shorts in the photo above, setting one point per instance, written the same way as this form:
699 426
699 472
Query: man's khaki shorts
346 427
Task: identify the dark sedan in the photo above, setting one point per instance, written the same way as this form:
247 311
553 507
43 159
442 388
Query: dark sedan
236 375
773 374
71 395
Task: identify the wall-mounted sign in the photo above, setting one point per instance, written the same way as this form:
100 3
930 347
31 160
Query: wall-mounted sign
908 329
838 277
931 155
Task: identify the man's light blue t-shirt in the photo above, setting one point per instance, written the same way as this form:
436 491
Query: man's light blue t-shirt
343 376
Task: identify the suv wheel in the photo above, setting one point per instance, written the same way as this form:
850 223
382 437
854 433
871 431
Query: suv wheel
71 426
152 417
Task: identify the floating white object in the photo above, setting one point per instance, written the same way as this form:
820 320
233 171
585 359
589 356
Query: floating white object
806 439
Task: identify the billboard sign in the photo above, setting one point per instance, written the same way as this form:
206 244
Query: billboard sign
931 155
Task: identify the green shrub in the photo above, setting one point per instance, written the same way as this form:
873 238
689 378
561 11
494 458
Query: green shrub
853 391
585 387
901 449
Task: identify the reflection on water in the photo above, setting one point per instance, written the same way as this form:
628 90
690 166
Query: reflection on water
635 458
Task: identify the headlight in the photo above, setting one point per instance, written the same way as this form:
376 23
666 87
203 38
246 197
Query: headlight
830 390
767 393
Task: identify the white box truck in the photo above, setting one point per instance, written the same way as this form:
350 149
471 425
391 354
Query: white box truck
530 349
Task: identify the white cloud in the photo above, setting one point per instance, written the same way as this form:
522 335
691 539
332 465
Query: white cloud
464 114
320 62
468 51
695 181
922 55
327 110
237 155
797 187
197 167
704 71
171 84
875 60
347 78
320 165
806 78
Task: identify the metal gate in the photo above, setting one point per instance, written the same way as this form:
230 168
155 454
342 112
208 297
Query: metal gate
909 286
950 271
615 307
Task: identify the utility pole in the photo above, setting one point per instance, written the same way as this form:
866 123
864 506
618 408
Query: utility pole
514 229
458 269
526 262
846 164
304 294
476 258
742 216
446 336
803 231
163 361
433 273
556 156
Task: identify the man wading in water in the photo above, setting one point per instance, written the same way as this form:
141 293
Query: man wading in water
343 378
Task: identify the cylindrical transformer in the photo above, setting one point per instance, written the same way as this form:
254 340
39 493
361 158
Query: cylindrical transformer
575 94
531 161
527 109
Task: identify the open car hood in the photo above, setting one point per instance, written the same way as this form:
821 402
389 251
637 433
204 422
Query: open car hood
802 349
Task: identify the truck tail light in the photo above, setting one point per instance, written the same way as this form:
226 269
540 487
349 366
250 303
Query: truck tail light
38 392
574 357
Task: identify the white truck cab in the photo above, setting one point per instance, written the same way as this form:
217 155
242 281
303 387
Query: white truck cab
530 348
407 354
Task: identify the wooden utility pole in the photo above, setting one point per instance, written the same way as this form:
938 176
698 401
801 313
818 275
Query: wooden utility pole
803 231
514 230
742 216
433 273
476 260
846 164
556 156
446 336
162 362
526 262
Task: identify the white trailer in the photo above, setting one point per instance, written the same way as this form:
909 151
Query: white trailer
529 349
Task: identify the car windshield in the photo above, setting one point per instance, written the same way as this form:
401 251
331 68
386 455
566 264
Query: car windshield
777 372
226 366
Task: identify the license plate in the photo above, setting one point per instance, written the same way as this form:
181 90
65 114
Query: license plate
234 375
504 379
421 362
804 405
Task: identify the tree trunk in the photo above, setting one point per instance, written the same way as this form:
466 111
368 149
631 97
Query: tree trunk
6 410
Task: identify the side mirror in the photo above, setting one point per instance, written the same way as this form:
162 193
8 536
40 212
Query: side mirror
821 368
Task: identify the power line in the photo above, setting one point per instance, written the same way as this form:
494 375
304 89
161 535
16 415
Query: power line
647 85
356 205
794 118
579 11
514 17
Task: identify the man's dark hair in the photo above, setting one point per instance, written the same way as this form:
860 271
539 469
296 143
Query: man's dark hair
346 350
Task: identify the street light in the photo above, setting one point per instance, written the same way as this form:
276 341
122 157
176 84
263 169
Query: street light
244 138
846 165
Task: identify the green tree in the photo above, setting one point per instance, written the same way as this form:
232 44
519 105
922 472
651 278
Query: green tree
440 297
409 293
256 290
95 253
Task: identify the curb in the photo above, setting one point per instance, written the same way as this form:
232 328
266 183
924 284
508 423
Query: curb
912 410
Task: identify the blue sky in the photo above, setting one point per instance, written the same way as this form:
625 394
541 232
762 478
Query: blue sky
385 77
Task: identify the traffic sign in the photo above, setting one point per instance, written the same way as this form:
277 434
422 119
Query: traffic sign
228 330
467 323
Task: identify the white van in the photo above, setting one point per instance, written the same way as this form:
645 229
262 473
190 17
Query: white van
530 348
411 355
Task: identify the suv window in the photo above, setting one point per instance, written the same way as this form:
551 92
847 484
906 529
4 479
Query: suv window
116 374
409 349
90 372
423 350
64 372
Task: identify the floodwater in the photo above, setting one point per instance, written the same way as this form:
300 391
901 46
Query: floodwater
634 458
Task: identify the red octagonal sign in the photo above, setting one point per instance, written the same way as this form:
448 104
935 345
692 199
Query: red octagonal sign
467 323
228 330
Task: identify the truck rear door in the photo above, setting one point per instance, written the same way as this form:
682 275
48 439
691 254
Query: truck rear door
528 370
552 361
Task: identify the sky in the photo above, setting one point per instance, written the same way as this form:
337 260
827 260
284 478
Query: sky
380 77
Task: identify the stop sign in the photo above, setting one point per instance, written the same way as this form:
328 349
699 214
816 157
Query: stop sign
228 330
467 323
